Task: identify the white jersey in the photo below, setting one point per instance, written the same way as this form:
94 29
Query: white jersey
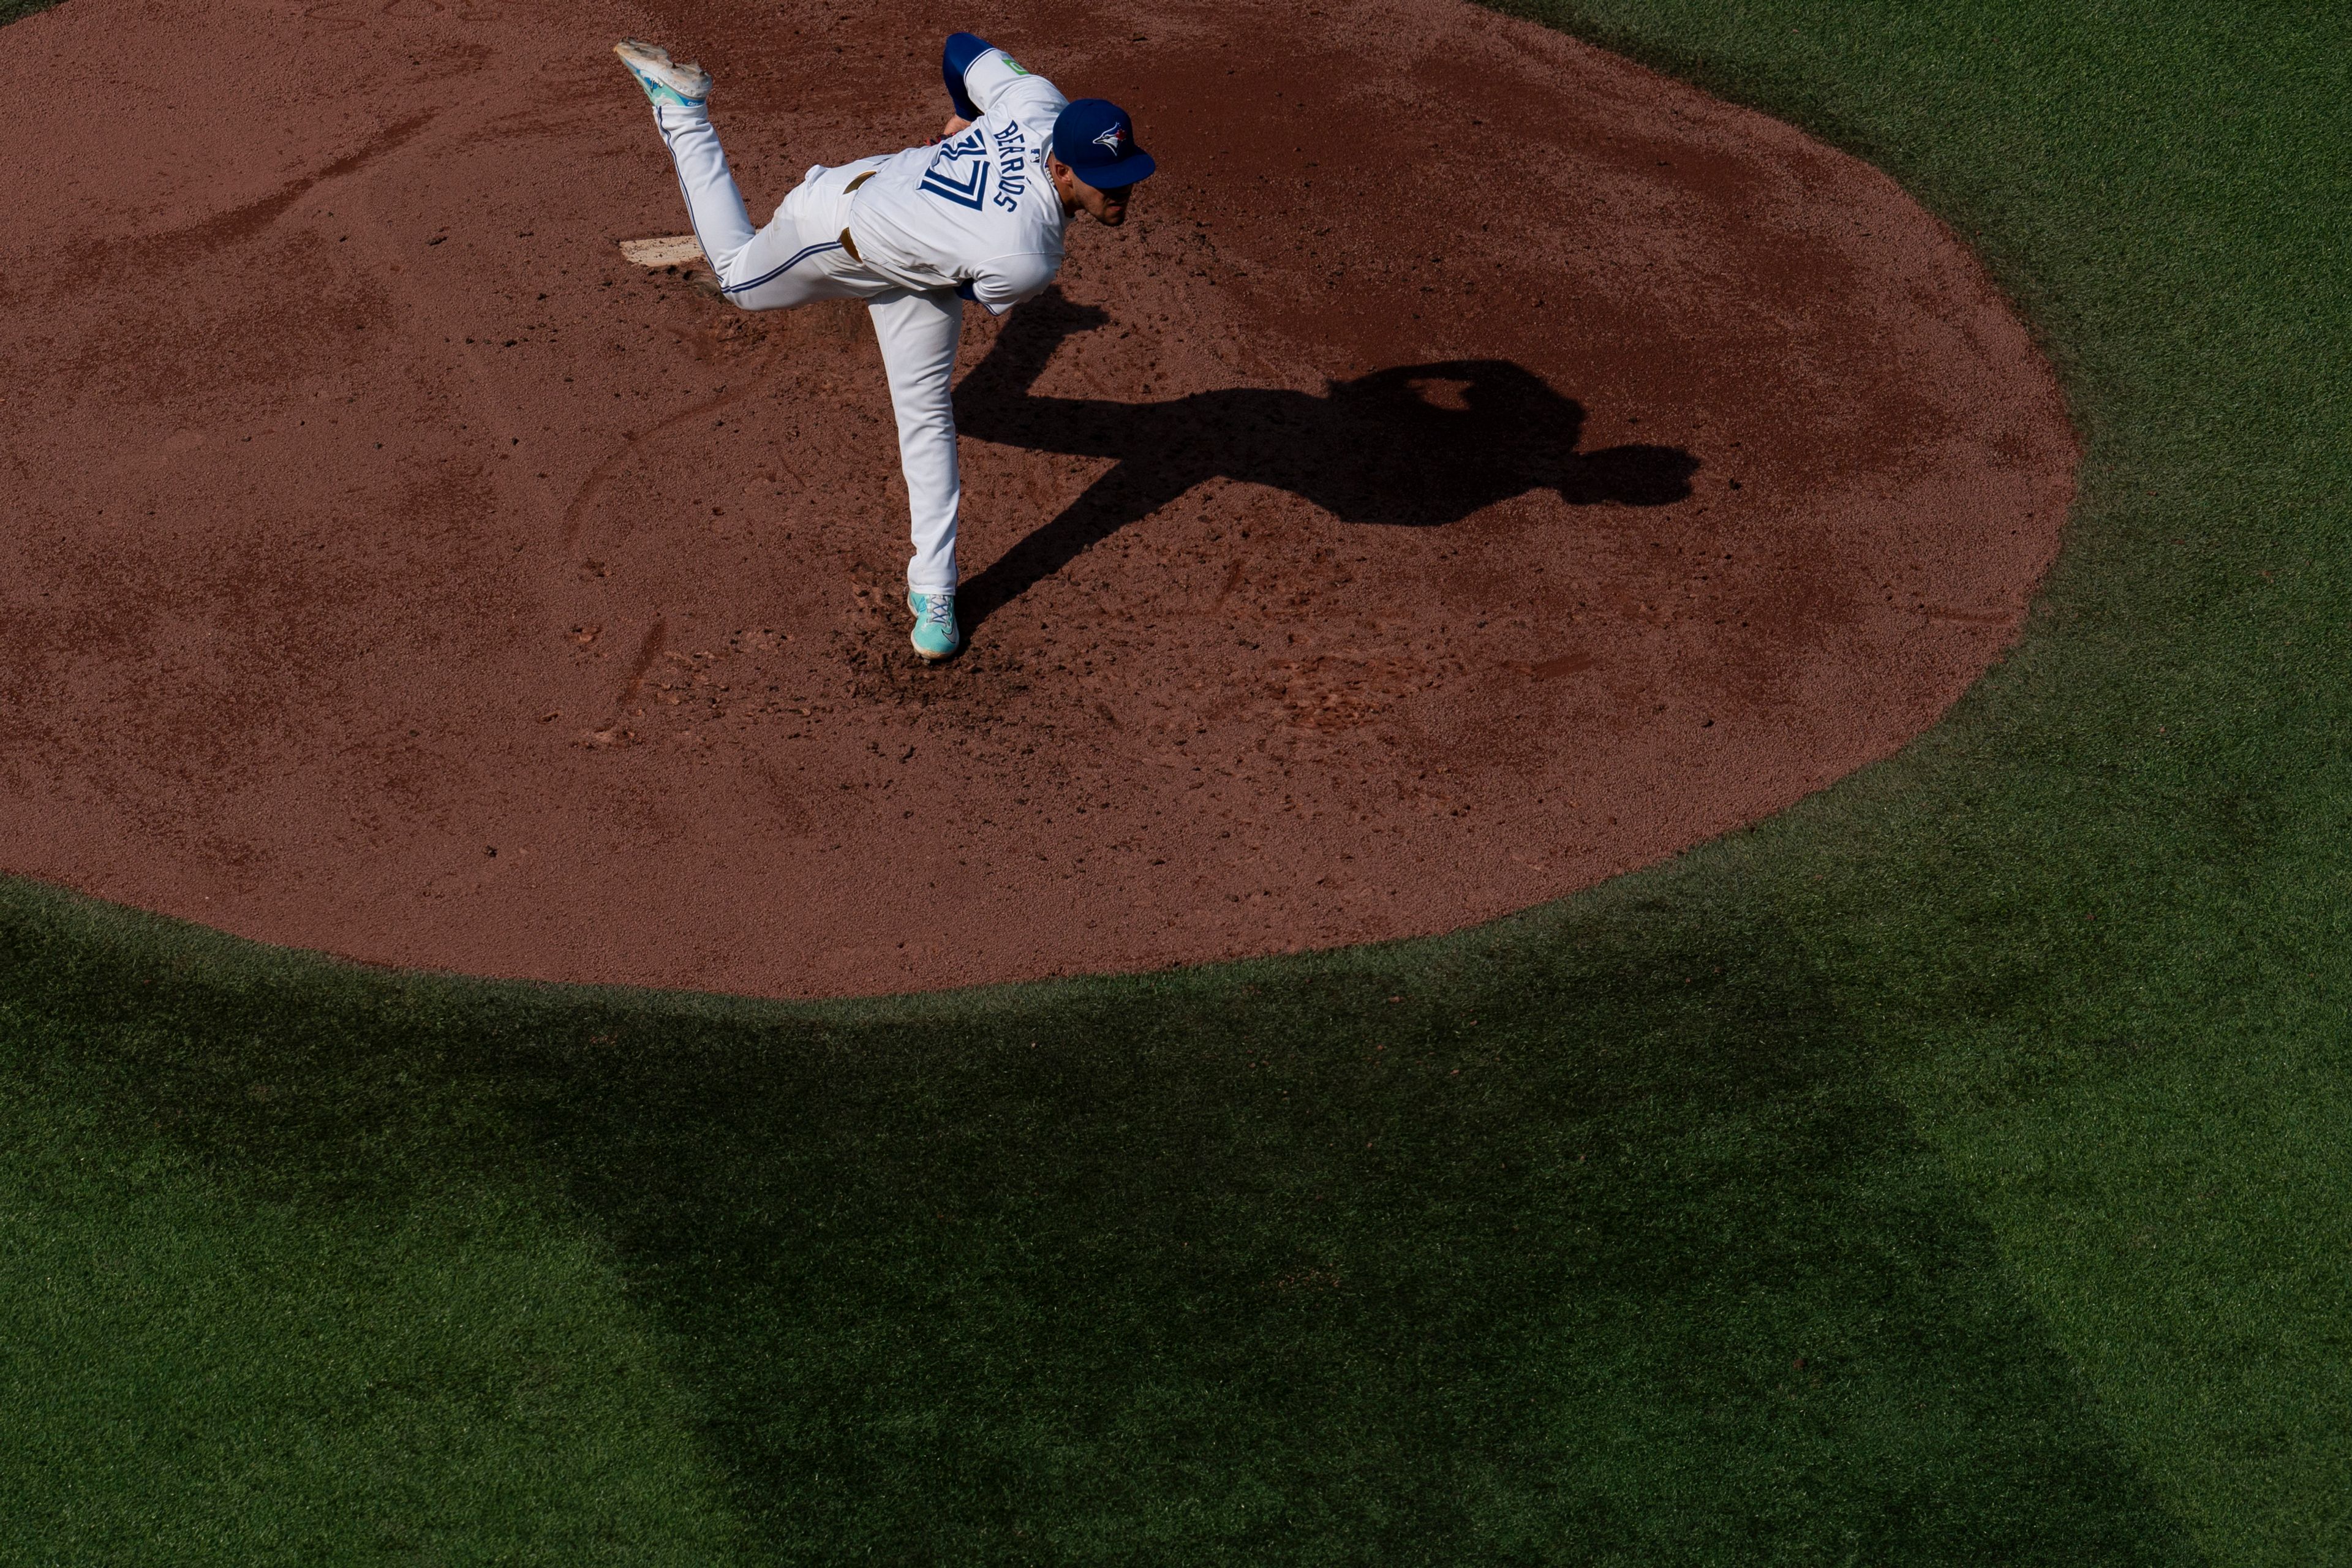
976 213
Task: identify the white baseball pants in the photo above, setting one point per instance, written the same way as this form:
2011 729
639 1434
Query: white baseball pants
799 258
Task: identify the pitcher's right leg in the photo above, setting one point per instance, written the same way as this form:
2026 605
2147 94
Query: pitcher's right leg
785 264
800 256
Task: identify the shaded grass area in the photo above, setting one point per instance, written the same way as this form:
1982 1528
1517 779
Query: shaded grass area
1582 1240
2002 1087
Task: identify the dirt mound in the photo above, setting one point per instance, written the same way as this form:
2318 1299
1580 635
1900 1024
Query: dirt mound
1480 468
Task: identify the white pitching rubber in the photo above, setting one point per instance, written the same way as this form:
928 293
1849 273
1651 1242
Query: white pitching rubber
665 250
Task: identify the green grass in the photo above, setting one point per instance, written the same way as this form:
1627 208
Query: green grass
1954 1169
1597 1241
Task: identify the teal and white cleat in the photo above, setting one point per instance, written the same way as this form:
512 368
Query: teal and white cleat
935 623
668 84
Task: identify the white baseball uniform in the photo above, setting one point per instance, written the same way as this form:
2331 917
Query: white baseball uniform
914 234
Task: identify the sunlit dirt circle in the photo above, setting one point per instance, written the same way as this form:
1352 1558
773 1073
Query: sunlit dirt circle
1481 467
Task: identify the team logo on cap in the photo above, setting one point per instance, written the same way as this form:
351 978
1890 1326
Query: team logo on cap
1111 137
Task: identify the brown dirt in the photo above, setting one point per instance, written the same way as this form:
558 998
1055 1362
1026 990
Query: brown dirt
1483 467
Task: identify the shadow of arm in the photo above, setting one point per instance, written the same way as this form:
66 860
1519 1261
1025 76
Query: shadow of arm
1026 342
993 401
1124 495
1634 476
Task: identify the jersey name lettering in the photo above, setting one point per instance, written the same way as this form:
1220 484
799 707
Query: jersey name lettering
1010 183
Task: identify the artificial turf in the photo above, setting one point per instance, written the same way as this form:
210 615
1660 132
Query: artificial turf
1954 1169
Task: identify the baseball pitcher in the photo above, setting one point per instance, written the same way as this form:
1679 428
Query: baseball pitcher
980 214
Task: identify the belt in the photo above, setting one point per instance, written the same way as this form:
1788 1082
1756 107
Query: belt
848 244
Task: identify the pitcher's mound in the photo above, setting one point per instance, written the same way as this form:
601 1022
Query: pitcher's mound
1480 466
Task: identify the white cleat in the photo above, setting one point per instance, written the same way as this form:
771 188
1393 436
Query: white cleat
667 83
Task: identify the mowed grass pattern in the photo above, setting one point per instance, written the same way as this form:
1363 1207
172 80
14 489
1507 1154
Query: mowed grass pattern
1572 1240
1952 1170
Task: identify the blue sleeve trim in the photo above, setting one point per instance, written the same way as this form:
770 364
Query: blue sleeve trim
963 48
964 291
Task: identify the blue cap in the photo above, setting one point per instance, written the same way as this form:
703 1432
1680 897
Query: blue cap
1097 139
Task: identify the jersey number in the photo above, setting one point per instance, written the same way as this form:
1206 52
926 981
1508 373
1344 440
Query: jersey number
951 178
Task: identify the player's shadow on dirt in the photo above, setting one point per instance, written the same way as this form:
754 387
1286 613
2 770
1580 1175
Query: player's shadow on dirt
1414 446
